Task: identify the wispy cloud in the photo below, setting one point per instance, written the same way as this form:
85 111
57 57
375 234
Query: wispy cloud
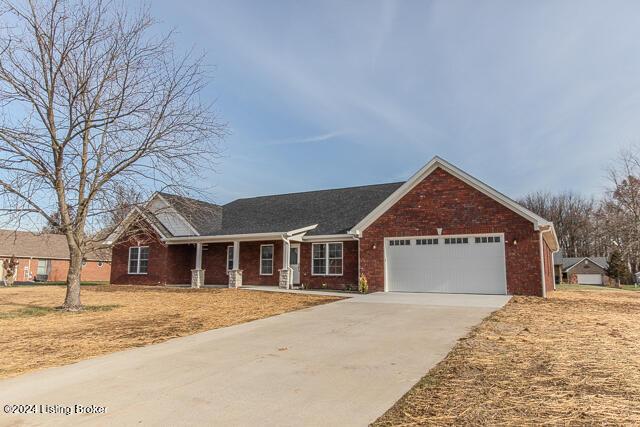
479 84
309 139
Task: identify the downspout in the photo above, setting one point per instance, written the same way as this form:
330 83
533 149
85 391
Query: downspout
544 278
357 234
544 284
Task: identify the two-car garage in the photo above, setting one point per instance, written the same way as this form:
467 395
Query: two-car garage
473 264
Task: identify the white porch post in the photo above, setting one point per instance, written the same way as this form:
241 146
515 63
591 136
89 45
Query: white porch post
197 274
235 275
286 274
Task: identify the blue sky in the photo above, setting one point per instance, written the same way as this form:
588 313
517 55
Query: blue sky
535 95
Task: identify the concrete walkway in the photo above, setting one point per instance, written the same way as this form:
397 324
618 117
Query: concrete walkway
343 363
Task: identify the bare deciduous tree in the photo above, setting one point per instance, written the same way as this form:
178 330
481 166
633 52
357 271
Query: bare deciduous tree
621 206
572 216
93 102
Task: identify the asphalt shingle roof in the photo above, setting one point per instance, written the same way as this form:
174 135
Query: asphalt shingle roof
335 211
24 244
568 262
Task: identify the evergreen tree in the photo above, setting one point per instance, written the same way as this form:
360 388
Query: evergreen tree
617 269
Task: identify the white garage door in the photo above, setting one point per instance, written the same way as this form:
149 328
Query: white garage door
589 279
473 264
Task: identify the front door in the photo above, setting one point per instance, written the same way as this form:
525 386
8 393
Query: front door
294 263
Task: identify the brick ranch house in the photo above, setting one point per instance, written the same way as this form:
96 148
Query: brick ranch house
440 231
589 270
45 258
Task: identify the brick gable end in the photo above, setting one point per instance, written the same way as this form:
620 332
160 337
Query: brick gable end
444 201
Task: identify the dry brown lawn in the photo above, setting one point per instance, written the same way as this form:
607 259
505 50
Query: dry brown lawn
573 359
34 335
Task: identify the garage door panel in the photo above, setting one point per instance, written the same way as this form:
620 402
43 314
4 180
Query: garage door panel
452 268
589 279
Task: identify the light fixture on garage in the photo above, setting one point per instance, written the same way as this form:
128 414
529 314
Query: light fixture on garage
439 230
374 246
515 242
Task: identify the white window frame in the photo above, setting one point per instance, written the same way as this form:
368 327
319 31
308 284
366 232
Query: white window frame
273 255
326 262
230 258
137 273
47 267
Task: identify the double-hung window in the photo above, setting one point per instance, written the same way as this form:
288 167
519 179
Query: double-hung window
138 259
229 258
327 259
44 266
266 260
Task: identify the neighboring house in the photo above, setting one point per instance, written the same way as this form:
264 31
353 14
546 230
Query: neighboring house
45 258
580 270
440 231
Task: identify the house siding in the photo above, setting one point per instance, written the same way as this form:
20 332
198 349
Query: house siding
444 201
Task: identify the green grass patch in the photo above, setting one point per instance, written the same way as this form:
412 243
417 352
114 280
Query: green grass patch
574 287
29 311
106 307
37 311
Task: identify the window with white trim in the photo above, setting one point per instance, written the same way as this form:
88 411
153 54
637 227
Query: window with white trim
456 240
266 260
488 239
327 259
422 242
138 259
44 267
403 242
229 258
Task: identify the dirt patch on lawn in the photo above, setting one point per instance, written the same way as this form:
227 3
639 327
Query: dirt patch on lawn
34 335
572 359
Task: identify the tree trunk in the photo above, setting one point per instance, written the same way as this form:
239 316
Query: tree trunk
72 300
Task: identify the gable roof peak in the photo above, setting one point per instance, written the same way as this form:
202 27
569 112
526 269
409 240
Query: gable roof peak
438 162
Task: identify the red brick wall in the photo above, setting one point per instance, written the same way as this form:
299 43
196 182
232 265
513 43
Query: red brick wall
250 263
443 201
159 261
180 259
214 262
349 268
59 269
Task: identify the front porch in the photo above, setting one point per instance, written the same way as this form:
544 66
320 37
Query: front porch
237 263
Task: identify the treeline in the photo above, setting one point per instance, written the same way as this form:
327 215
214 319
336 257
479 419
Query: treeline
598 226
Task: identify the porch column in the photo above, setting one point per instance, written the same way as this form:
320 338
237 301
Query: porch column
286 273
235 275
197 274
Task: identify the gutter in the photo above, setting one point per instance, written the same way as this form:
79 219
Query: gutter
225 238
247 237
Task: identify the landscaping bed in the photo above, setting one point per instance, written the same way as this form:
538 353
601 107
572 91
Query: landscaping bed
571 359
35 335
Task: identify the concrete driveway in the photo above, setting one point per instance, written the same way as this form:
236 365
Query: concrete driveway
343 363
